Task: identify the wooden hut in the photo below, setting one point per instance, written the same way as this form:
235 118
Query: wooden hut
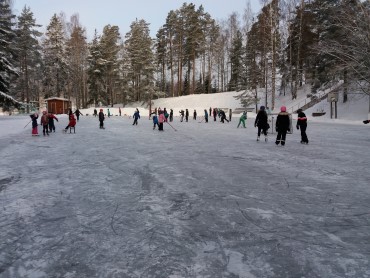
58 105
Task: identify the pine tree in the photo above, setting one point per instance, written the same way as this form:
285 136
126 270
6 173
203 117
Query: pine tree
236 58
138 45
110 47
77 54
7 54
55 62
29 56
161 57
95 71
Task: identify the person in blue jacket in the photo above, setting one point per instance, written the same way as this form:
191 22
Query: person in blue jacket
206 115
155 121
136 116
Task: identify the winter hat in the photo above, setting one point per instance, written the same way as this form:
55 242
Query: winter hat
283 109
299 110
262 107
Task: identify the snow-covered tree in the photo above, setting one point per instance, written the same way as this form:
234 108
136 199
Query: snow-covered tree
138 46
77 55
109 62
55 62
94 70
29 56
7 52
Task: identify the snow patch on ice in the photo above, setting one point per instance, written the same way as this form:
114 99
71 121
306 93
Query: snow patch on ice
265 214
236 265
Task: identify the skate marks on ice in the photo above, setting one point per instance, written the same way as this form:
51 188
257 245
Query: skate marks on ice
125 203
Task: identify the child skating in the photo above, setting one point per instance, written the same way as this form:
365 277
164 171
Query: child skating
45 123
261 123
51 122
282 126
242 119
34 118
101 119
302 125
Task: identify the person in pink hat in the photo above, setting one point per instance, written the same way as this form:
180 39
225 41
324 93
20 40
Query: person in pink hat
282 126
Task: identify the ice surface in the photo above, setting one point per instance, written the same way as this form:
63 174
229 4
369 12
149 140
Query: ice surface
206 200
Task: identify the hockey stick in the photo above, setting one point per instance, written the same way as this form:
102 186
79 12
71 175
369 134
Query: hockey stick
27 124
171 126
201 120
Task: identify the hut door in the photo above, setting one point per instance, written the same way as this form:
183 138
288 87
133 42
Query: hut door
54 107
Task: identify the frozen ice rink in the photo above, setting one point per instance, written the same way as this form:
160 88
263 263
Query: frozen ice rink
206 200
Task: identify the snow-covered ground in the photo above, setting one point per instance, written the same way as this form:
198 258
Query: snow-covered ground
206 200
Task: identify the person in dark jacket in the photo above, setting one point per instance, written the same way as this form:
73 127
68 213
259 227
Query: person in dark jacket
95 113
51 121
206 115
214 114
101 119
182 115
223 116
302 125
78 113
171 115
195 114
136 116
165 114
282 126
261 122
34 118
186 115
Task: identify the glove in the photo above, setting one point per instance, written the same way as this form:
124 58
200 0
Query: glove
255 125
366 122
297 126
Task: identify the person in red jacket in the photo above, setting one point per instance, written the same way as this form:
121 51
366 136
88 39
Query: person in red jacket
72 121
51 121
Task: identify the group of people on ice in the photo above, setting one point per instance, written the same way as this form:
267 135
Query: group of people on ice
160 116
47 122
282 125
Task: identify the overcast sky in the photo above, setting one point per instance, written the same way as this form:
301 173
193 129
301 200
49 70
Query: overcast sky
96 14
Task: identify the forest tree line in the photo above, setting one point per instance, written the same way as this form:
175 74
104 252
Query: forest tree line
287 44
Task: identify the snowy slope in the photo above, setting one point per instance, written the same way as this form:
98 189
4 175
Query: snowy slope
356 109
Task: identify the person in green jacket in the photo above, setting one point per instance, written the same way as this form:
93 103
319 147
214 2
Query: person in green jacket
242 119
